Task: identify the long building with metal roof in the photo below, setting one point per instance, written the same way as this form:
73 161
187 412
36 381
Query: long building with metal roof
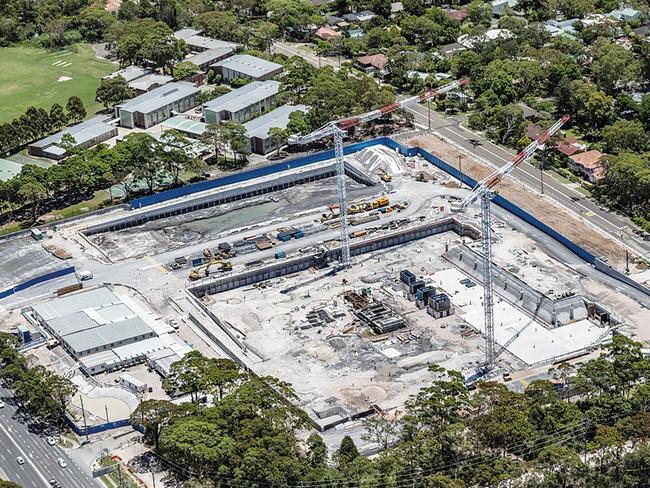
155 106
242 104
86 134
258 129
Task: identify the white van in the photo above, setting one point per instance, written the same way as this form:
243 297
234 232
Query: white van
85 275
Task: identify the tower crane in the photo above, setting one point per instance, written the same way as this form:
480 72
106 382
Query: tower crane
337 130
484 191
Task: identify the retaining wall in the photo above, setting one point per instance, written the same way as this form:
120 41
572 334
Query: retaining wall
302 263
230 195
94 429
35 281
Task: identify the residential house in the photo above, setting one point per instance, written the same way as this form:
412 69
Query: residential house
328 33
568 145
501 7
363 16
372 63
86 134
243 104
356 33
247 66
489 35
528 112
589 165
458 15
449 50
186 33
561 27
157 105
625 14
258 129
642 32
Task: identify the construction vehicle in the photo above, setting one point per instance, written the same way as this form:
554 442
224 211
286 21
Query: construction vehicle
337 130
384 176
204 271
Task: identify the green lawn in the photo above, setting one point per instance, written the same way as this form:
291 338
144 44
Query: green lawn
30 76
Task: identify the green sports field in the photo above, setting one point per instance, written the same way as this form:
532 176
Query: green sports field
37 77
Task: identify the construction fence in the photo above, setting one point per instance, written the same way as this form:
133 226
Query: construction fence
35 281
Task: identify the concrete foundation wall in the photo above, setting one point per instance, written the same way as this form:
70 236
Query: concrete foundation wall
305 262
553 312
252 190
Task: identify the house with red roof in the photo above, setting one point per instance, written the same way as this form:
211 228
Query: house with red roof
588 164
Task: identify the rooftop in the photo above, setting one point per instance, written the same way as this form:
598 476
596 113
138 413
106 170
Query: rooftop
83 132
185 124
9 169
588 159
144 83
159 97
326 32
243 97
107 334
279 117
129 73
375 60
209 55
248 65
186 33
208 43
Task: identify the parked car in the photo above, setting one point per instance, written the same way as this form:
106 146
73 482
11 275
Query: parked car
51 441
2 404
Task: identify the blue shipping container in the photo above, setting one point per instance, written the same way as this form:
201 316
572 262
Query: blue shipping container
283 237
298 234
197 261
280 255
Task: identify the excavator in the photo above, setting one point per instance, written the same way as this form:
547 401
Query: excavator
204 271
385 177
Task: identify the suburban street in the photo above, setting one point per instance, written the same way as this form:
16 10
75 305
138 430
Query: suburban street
450 130
40 458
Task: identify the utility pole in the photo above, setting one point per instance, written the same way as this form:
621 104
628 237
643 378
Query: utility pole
429 113
83 414
460 163
627 262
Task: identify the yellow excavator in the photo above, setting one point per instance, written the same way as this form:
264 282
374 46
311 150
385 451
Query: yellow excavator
204 271
385 177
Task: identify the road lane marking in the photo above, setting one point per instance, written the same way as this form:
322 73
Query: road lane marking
27 459
160 267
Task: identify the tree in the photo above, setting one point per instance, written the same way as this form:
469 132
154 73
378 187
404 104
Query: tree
237 138
154 415
141 148
214 135
292 16
317 450
297 123
625 136
75 109
127 49
95 24
188 376
480 12
58 117
221 25
184 70
588 105
644 111
278 137
347 452
381 430
174 152
8 484
112 91
614 66
161 48
222 375
33 192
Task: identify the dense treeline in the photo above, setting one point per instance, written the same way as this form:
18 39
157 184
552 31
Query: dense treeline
589 427
139 159
41 393
37 123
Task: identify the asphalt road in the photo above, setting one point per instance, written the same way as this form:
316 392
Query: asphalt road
40 458
449 129
292 49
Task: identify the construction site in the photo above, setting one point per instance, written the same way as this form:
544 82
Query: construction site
346 276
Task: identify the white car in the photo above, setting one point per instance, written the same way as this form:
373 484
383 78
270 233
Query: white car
2 404
20 460
61 462
51 441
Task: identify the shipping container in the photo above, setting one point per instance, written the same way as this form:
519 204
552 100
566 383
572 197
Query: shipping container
284 237
298 234
280 254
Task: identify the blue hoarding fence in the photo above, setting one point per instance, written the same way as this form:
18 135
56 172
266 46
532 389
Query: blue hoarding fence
94 429
409 152
35 281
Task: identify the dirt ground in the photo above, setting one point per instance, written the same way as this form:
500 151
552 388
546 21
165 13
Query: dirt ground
546 210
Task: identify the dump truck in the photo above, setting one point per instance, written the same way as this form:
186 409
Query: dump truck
385 177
